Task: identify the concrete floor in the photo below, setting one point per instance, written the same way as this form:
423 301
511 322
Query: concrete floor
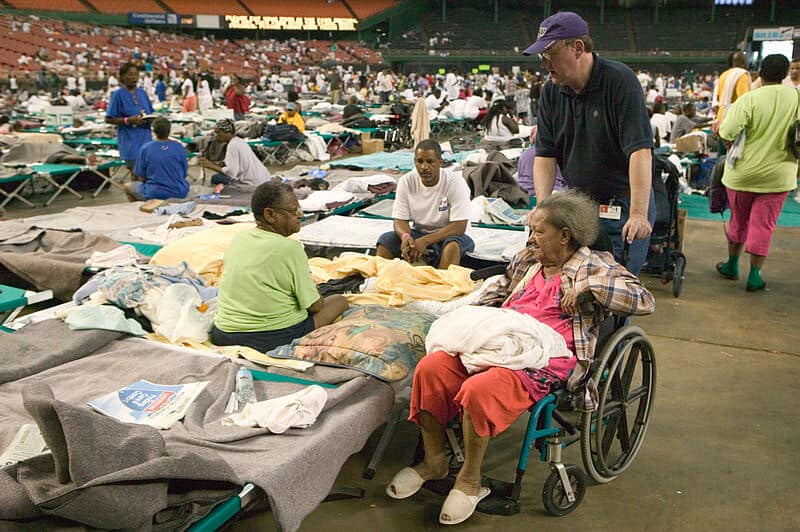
720 451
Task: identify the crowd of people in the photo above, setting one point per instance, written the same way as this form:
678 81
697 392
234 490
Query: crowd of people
597 123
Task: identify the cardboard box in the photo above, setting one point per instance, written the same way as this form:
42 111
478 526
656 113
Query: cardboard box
58 115
371 146
365 135
691 143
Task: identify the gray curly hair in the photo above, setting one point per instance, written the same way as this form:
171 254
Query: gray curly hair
576 211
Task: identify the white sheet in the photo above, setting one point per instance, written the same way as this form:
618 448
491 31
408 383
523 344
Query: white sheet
363 233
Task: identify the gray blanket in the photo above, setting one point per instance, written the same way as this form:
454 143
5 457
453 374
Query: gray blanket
54 259
495 179
296 469
41 152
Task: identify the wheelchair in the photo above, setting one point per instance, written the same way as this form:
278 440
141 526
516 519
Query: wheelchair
624 371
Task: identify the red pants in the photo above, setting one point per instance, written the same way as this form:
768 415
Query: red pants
494 398
753 219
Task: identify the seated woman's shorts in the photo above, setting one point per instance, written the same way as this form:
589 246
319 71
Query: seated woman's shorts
263 341
391 241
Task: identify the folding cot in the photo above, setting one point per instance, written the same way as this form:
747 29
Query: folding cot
24 178
88 141
294 471
50 171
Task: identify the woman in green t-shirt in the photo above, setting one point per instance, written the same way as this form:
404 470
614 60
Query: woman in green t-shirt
759 181
266 295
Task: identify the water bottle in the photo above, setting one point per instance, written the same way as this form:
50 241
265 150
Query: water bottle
245 392
209 196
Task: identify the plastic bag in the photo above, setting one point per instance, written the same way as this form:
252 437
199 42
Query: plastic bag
178 316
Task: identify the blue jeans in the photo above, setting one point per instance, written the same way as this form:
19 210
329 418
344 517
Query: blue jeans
637 253
392 242
218 179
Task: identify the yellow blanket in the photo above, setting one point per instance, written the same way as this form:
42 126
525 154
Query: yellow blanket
397 282
203 251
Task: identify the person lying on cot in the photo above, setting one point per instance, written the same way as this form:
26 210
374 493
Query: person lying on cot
161 168
266 295
437 202
558 281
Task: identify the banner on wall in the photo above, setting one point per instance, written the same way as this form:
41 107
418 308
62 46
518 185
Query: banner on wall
257 22
153 19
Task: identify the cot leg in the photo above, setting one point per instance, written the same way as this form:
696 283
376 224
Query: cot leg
16 195
61 188
383 443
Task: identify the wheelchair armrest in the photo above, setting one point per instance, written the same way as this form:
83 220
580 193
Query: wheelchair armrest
485 273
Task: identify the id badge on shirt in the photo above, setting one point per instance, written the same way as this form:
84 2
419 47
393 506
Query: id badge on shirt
611 212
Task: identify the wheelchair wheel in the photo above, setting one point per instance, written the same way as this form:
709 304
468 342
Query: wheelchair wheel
555 497
679 268
626 378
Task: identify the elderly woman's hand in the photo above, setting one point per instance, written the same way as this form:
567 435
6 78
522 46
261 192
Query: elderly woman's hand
572 300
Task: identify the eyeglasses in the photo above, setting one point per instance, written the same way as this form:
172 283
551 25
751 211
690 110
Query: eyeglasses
297 212
548 56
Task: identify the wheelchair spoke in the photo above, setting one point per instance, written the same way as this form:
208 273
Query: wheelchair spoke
637 394
630 368
608 435
622 434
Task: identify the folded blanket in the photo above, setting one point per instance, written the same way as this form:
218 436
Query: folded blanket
485 337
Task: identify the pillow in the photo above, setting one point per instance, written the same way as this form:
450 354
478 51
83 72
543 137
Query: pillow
381 341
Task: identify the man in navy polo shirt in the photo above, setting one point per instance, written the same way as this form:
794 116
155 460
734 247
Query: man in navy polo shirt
593 125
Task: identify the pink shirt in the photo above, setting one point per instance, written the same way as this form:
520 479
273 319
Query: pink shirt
541 299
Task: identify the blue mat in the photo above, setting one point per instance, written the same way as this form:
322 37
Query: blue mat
399 160
697 208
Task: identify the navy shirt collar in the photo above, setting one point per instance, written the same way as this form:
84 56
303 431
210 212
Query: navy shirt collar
595 78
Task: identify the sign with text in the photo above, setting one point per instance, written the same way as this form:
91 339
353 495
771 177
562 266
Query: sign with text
153 19
784 33
256 22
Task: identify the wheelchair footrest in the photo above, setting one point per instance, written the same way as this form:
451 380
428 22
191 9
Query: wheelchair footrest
501 500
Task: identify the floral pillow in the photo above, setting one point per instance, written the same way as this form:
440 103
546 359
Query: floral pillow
382 341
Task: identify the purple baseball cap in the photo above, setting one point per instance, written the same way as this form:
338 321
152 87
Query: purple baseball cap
562 25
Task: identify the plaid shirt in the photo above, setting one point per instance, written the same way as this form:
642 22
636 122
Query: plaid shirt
614 288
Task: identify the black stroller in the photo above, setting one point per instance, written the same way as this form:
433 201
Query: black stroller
664 257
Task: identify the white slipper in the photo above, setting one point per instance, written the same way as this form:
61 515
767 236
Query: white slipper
404 484
458 506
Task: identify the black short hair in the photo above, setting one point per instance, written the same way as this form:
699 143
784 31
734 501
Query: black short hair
124 67
429 144
268 195
774 68
161 127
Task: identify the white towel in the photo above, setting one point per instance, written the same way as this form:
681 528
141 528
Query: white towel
485 337
298 410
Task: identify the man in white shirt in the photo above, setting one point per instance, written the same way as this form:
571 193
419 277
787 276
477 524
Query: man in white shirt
659 122
437 203
241 166
474 104
433 101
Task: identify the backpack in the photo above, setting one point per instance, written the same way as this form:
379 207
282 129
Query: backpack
283 132
717 193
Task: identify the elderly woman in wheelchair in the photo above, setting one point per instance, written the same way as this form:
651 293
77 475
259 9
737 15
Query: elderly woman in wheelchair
561 283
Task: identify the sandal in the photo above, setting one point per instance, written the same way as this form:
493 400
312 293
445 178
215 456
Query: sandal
722 272
404 484
458 506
